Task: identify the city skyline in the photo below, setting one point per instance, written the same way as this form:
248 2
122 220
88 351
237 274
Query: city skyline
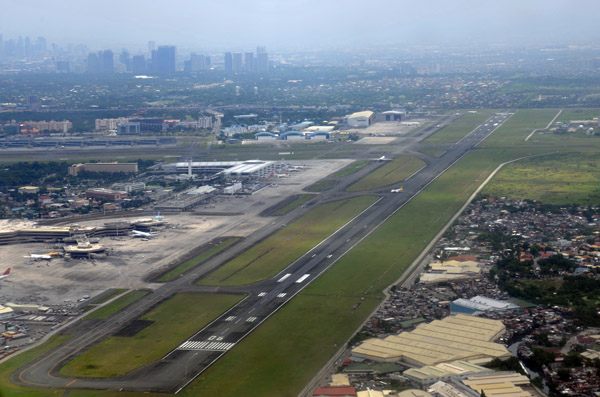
302 24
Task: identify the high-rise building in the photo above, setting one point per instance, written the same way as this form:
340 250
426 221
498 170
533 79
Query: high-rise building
93 63
125 59
228 62
207 64
261 49
138 64
153 63
166 59
197 63
40 45
237 61
107 62
262 60
151 46
249 62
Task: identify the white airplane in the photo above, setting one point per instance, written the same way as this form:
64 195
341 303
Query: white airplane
45 257
401 188
382 158
5 274
137 233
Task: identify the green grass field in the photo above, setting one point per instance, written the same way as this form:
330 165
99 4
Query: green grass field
280 249
351 168
514 131
557 179
174 320
117 304
303 198
209 253
461 127
578 114
391 172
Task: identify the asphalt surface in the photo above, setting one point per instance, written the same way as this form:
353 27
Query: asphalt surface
182 365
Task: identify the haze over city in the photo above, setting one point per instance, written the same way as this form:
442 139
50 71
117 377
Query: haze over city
303 24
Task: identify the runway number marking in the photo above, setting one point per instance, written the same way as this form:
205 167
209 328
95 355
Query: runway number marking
230 318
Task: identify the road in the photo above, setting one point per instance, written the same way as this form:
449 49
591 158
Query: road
182 365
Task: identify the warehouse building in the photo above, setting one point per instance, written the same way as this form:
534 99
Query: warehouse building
113 167
106 194
481 304
430 374
459 337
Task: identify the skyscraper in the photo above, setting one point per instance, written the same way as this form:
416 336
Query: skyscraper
151 46
249 59
262 62
93 63
237 61
228 62
166 59
138 64
107 63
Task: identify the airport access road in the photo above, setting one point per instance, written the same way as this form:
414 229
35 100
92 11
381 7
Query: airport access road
263 299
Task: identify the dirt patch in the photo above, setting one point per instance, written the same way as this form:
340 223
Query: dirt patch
132 328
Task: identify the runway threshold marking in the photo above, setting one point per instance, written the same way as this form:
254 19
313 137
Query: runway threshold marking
284 277
206 345
262 294
251 319
230 318
283 294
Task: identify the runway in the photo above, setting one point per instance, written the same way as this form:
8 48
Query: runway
193 356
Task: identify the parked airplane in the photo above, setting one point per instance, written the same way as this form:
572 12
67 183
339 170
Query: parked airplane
5 274
137 233
45 257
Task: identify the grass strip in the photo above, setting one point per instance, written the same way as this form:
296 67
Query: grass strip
277 251
351 168
303 198
209 253
117 304
321 185
459 129
173 321
392 172
109 296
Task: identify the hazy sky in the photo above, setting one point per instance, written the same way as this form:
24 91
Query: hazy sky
293 24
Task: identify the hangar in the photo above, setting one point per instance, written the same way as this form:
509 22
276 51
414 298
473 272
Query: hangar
360 119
